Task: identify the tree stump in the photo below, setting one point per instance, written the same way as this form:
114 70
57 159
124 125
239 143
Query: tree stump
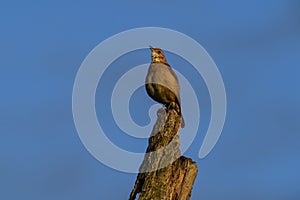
164 174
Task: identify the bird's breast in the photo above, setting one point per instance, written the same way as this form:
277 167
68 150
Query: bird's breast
162 74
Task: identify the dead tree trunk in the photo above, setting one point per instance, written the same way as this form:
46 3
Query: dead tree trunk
164 173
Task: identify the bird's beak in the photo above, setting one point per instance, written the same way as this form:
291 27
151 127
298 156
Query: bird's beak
151 48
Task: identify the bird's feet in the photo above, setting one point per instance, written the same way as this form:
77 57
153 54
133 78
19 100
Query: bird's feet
174 106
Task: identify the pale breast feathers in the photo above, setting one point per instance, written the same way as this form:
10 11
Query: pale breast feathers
162 74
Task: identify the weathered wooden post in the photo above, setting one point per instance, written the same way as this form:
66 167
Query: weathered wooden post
164 173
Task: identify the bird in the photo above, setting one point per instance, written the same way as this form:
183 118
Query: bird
162 84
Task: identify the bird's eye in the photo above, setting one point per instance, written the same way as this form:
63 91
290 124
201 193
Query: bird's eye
159 52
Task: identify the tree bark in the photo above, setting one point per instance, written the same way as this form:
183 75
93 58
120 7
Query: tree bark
164 174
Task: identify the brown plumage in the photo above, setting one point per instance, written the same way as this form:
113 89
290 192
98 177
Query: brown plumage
162 83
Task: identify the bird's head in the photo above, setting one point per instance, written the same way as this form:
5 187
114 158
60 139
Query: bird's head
158 55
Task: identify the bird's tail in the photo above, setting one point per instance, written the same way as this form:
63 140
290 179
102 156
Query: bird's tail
182 122
178 109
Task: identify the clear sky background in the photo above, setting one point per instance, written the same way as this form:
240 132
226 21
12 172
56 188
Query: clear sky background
255 44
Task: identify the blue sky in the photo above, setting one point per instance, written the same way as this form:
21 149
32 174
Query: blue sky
255 45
